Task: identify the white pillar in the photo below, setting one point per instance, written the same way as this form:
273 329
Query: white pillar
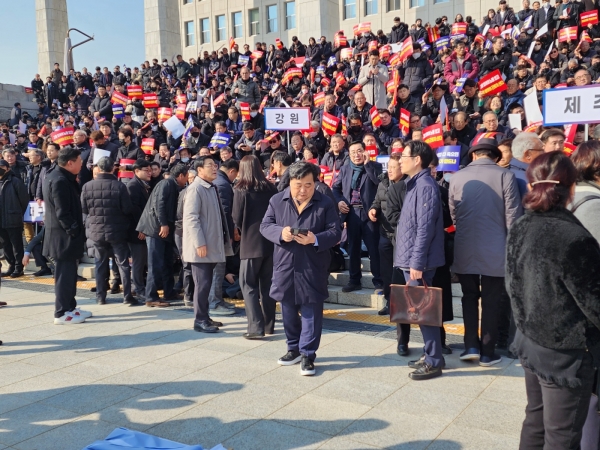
162 29
52 24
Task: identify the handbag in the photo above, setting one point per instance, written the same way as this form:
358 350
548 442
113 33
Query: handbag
421 305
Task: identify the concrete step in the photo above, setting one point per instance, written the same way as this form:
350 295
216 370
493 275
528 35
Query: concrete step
364 297
85 270
365 264
342 279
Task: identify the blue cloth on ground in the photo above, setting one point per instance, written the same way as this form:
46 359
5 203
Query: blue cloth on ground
122 438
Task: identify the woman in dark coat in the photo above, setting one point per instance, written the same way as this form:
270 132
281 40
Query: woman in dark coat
303 224
251 197
552 279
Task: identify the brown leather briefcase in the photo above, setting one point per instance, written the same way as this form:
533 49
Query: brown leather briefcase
421 305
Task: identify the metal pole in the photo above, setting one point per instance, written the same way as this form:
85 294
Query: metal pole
587 131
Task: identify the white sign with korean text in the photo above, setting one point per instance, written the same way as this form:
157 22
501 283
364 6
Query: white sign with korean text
574 105
34 212
287 118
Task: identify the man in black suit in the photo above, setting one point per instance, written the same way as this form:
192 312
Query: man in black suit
65 235
354 190
81 143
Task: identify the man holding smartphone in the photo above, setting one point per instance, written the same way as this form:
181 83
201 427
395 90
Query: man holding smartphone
248 141
303 224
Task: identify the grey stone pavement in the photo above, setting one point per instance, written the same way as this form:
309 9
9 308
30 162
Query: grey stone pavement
63 387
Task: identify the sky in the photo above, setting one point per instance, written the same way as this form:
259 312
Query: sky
117 27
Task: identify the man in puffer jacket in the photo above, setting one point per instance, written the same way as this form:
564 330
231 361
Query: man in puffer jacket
416 72
108 207
245 89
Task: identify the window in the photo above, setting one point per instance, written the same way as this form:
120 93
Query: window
349 9
440 1
417 3
254 22
238 27
370 7
205 30
190 38
393 5
221 28
272 19
185 2
290 15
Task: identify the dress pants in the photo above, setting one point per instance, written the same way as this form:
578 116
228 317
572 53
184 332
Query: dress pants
431 335
139 259
13 247
491 297
303 334
160 266
255 281
402 329
120 251
202 273
555 415
65 286
360 228
40 260
188 282
215 295
386 257
506 322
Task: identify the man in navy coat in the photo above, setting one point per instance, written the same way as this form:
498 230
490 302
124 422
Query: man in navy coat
303 224
354 189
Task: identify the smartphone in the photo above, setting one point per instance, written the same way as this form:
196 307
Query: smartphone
299 231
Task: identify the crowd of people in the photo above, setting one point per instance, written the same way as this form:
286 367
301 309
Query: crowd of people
238 210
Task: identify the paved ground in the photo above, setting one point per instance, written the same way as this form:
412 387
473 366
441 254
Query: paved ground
63 387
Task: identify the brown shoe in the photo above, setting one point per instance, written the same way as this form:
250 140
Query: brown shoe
158 304
3 304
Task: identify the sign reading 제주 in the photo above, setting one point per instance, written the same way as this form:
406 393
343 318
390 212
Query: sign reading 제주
579 104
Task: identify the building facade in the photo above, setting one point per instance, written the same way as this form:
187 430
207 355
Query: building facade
208 24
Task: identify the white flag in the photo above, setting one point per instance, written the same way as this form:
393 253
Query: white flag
212 105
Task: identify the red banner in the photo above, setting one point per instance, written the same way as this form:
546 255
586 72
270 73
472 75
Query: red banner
372 151
459 28
434 135
488 135
217 101
375 117
585 37
180 111
407 49
263 103
340 41
385 51
150 100
433 33
245 111
346 53
278 43
123 172
134 91
395 60
231 43
567 34
589 18
291 73
147 145
256 55
391 86
362 28
569 148
164 114
319 99
181 98
329 123
119 98
63 137
372 46
404 124
340 80
492 84
325 82
344 127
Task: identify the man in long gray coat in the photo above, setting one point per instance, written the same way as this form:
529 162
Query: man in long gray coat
206 238
372 78
484 203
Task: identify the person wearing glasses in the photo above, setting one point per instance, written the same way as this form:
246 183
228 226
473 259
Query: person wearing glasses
490 124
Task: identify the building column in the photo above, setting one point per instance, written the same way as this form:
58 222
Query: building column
52 25
162 29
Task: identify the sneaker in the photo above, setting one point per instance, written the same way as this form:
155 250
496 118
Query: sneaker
425 372
221 310
290 358
307 367
228 304
351 287
469 354
487 361
82 313
68 319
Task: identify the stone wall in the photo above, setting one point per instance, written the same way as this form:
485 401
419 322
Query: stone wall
11 94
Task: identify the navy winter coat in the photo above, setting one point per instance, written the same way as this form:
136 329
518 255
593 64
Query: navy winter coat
420 231
300 272
342 186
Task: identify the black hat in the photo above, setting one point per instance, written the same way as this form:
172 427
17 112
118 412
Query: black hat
487 144
4 163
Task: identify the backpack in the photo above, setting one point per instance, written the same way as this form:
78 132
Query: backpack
338 263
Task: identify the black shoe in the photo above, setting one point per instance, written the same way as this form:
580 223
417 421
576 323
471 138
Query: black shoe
215 323
205 327
385 311
251 336
378 285
42 272
421 362
239 295
425 372
173 297
9 272
16 274
502 345
131 301
93 289
403 350
351 287
101 301
80 278
290 358
307 367
446 350
115 289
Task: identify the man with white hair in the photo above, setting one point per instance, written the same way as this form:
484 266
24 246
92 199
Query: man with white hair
525 148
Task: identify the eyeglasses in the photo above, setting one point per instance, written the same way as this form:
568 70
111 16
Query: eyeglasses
407 156
356 152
